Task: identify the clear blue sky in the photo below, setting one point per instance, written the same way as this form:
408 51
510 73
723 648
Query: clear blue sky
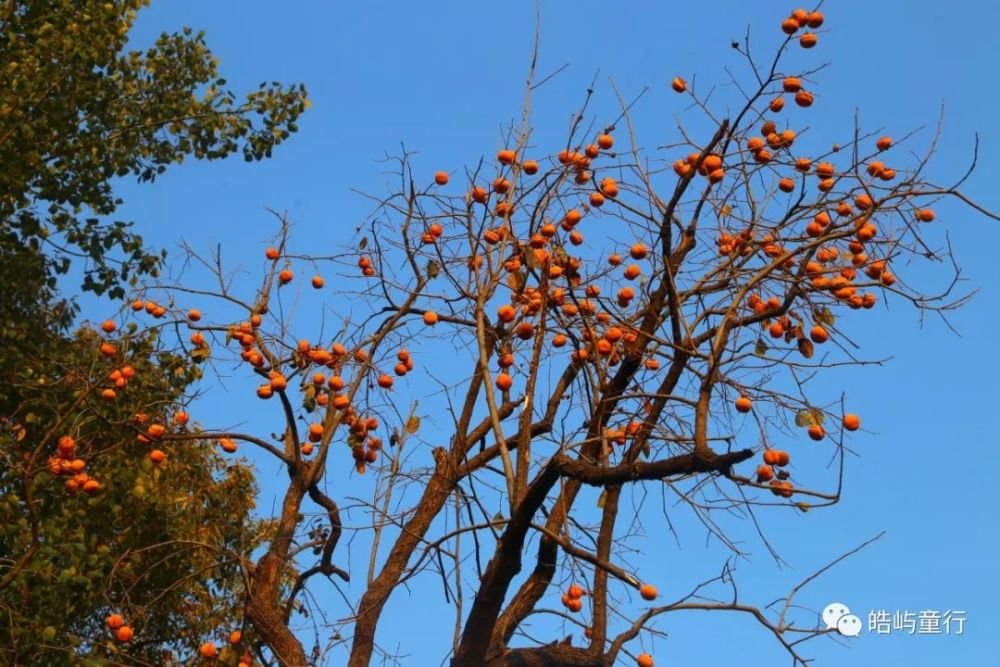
443 77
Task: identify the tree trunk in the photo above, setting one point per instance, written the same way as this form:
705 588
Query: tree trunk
436 493
555 655
264 608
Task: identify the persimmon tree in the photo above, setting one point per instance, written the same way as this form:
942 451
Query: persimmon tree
613 317
76 547
80 109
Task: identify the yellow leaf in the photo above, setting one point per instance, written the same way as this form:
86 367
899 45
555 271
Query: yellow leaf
413 424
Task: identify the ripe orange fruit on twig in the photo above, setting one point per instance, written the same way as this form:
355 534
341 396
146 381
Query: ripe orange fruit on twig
852 422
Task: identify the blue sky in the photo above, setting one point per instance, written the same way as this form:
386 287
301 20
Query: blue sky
445 77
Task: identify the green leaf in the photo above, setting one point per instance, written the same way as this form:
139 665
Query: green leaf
822 315
804 418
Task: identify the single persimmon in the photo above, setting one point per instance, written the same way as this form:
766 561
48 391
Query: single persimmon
825 170
609 187
278 382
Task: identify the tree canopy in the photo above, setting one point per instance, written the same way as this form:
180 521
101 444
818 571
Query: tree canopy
79 108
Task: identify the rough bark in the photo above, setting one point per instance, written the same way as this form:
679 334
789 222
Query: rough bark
502 568
556 655
436 493
264 608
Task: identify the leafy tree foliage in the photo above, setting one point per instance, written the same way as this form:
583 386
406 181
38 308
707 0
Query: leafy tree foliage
78 109
163 544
